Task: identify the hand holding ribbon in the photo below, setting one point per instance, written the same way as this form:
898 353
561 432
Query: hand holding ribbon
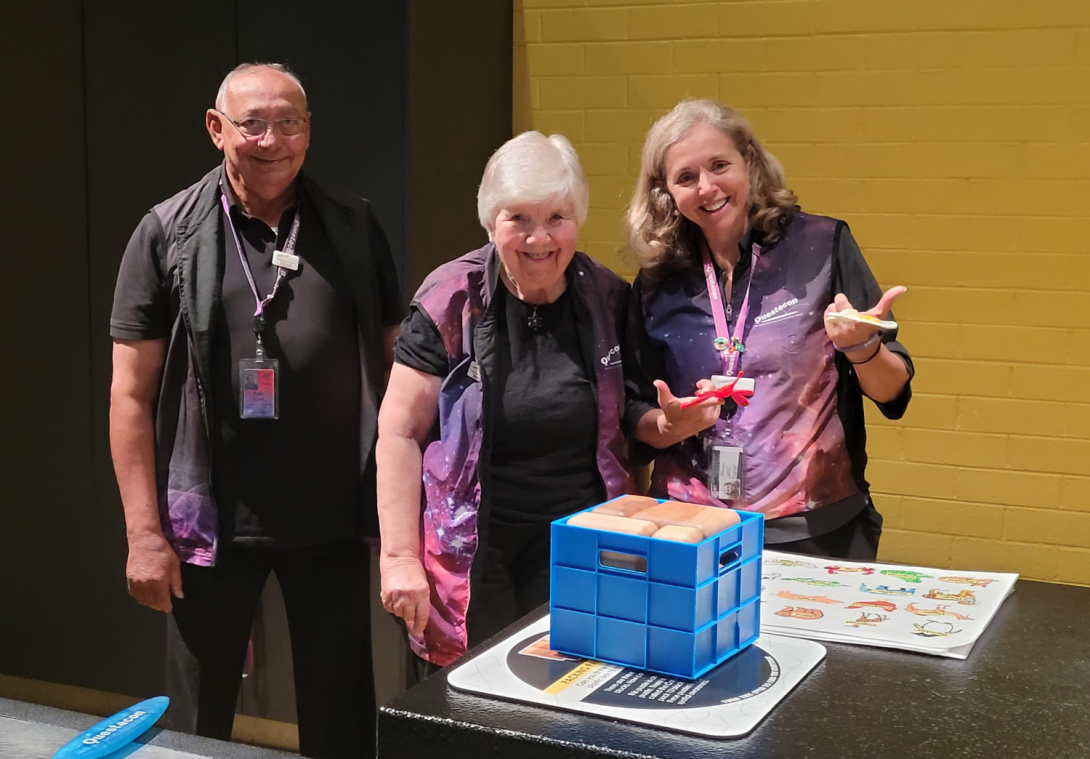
684 417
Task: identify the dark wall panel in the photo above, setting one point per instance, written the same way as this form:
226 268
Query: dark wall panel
351 58
459 113
46 501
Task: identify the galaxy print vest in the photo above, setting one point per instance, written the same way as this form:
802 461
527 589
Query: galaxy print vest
796 459
456 298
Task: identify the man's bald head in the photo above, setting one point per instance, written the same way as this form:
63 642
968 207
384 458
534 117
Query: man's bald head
221 95
262 125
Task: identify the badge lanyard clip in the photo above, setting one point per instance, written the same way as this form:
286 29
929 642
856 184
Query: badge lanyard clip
726 462
259 377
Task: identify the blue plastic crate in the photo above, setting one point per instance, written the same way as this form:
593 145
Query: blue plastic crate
675 608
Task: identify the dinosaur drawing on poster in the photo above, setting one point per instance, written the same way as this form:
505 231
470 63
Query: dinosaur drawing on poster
789 596
798 612
938 611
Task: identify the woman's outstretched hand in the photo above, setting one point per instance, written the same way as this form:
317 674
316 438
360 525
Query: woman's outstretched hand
846 334
677 423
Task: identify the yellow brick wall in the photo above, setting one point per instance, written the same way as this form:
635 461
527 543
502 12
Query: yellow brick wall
954 137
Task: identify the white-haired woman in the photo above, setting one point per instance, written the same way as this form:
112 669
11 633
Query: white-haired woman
737 281
507 406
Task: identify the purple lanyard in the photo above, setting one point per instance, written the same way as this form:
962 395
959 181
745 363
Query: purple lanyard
729 351
281 272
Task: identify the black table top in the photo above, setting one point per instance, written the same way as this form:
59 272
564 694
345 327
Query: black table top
167 739
1024 691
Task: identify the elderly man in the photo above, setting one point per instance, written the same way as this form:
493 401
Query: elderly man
253 323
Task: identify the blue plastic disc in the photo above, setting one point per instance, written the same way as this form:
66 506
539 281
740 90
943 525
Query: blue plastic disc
114 732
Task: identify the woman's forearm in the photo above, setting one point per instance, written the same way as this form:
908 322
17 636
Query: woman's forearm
399 466
883 377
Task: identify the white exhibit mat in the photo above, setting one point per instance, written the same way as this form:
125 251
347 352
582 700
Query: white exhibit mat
729 701
933 611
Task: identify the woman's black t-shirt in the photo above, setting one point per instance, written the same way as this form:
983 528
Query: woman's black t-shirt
543 460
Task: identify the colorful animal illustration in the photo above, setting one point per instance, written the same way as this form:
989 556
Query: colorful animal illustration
934 629
770 576
870 620
845 570
885 590
975 582
790 563
821 583
798 612
883 605
963 597
938 611
787 594
905 574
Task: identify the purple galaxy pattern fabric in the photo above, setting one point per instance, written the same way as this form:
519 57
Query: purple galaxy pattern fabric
795 455
455 297
190 517
187 507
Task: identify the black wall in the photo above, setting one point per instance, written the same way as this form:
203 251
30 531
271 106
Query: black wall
102 117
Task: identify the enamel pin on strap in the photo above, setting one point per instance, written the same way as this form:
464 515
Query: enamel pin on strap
729 346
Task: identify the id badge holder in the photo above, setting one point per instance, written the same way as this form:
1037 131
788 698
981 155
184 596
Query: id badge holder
259 388
726 468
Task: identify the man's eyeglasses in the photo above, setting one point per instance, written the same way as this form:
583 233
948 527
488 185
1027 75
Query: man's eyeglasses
258 127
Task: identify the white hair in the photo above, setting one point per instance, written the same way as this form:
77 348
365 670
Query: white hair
221 94
532 168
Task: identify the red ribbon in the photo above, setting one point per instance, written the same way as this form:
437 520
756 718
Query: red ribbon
725 391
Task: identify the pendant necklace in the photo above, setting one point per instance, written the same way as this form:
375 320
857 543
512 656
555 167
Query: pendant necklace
533 321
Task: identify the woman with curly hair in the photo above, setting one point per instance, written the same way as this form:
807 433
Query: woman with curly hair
739 285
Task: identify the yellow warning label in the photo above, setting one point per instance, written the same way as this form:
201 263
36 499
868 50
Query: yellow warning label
571 677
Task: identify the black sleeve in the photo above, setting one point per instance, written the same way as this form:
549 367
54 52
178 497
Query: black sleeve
855 280
419 345
643 363
141 309
389 292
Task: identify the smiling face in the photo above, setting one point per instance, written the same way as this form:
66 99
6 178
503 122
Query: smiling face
709 182
536 242
266 165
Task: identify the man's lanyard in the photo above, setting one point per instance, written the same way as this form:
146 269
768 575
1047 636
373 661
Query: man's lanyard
729 347
281 271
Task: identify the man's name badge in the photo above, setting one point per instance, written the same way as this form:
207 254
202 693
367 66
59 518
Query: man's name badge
286 260
259 385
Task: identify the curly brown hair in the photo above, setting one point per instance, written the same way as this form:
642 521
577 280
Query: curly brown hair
663 240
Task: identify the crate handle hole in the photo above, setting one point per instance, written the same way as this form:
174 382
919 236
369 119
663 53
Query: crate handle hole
626 561
729 557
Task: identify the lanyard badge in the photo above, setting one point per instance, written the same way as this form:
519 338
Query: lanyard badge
259 377
726 457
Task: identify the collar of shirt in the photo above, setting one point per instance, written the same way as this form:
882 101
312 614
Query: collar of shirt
236 206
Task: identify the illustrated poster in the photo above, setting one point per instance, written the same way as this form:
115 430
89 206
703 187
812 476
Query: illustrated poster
934 611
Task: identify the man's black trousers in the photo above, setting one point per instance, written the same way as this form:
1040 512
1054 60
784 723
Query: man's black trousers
326 594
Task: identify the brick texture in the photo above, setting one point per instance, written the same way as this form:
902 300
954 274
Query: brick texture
954 138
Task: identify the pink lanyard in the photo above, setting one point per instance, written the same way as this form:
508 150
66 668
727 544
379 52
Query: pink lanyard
729 350
281 272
